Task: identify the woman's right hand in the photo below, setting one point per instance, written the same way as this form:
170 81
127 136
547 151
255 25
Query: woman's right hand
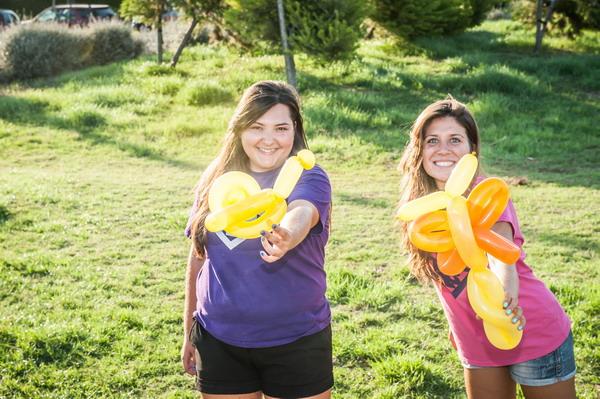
188 357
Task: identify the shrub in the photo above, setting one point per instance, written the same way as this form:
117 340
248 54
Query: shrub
112 42
326 29
35 50
30 51
416 18
570 17
481 8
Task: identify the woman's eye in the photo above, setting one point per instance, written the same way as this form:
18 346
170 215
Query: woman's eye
282 129
455 140
432 141
255 127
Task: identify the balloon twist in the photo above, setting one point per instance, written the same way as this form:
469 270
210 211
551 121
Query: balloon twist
461 235
239 206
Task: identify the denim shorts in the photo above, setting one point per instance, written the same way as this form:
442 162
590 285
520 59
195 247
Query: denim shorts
556 366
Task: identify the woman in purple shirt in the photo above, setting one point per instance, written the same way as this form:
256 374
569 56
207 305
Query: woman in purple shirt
256 320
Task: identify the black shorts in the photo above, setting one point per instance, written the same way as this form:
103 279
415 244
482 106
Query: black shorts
299 369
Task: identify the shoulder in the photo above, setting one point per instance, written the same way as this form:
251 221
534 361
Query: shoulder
315 173
313 185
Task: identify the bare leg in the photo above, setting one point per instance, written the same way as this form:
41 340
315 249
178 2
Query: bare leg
489 383
253 395
322 395
560 390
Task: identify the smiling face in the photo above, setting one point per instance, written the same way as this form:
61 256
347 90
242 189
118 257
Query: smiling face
269 140
444 143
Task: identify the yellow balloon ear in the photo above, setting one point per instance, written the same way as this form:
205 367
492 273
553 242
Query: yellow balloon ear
229 188
461 176
291 171
306 158
420 206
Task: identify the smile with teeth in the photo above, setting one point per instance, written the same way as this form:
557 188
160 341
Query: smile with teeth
267 150
444 164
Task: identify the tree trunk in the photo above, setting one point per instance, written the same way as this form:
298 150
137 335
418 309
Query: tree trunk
184 42
541 25
159 33
290 67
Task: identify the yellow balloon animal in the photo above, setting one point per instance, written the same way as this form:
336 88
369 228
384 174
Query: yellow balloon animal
242 209
461 235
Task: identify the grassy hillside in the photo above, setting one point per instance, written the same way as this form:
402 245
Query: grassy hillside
97 168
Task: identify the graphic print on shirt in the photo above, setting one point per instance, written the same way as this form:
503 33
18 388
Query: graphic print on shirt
455 284
230 243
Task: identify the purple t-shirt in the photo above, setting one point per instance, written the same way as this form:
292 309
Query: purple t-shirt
246 302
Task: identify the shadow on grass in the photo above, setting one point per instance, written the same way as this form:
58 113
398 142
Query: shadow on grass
528 107
88 77
363 201
4 214
87 123
576 243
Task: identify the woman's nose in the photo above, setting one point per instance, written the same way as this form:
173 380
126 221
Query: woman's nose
444 147
268 135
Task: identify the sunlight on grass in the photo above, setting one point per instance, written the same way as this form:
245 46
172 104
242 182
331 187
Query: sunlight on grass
97 169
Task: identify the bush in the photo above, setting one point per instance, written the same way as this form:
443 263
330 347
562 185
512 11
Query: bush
481 8
570 17
31 51
416 18
112 42
326 29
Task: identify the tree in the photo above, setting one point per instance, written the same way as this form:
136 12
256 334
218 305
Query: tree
568 17
150 12
324 29
197 10
542 24
290 65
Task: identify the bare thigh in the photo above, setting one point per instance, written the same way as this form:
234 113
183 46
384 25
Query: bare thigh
489 383
253 395
560 390
322 395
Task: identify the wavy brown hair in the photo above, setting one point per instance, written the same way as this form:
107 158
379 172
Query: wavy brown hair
255 102
416 182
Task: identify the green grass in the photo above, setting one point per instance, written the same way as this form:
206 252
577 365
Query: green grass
97 168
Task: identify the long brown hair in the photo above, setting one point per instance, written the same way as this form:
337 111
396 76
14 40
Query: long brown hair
255 102
416 182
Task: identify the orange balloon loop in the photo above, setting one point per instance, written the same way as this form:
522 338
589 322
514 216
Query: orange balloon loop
487 201
431 232
450 262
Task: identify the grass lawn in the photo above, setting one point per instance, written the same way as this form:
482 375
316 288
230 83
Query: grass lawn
96 175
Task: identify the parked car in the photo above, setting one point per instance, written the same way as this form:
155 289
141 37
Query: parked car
169 15
8 17
75 14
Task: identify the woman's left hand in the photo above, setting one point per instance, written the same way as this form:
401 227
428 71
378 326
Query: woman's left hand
276 243
513 310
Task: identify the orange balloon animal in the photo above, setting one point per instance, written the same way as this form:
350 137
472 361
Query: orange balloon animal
461 235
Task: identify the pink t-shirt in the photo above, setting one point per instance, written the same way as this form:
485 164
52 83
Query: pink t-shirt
547 323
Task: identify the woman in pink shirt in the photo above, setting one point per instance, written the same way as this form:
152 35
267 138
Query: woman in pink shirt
543 363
